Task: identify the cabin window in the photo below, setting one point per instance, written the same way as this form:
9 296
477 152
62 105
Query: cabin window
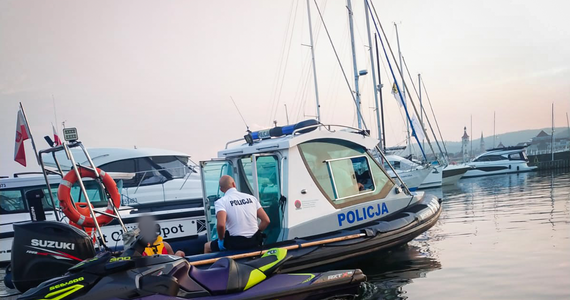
516 156
92 188
12 201
350 176
245 180
395 164
149 173
490 158
177 166
124 166
345 172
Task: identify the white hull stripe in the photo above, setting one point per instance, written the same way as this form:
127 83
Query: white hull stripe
66 183
81 220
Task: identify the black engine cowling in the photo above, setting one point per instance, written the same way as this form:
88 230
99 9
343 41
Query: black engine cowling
46 249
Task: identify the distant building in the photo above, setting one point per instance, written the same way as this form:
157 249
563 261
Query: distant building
500 145
482 146
542 144
464 145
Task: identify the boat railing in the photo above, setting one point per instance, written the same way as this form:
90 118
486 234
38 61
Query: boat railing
547 151
328 127
233 141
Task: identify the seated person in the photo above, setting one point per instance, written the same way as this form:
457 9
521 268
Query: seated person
161 247
149 230
237 215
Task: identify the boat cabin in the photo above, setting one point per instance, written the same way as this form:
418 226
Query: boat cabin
310 178
158 176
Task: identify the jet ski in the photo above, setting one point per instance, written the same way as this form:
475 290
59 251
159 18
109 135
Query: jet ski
134 276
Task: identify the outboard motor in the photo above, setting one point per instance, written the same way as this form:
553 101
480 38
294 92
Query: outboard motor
46 249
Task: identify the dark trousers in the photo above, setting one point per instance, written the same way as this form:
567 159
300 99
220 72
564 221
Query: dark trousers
239 242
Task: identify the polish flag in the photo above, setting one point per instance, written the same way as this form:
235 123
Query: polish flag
22 134
56 139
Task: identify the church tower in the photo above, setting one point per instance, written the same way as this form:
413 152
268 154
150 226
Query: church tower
482 143
464 145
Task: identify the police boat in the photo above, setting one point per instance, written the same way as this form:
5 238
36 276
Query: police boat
327 198
133 276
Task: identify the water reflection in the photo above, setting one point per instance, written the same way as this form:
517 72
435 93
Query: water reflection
389 273
507 233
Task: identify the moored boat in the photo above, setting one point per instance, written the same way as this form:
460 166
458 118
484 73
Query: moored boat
159 182
134 276
502 160
413 174
452 173
327 198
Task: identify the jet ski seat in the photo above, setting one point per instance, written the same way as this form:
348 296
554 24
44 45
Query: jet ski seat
223 277
228 276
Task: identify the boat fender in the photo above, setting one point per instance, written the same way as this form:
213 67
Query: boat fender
369 232
65 201
8 277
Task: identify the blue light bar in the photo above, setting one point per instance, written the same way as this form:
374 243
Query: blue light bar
284 130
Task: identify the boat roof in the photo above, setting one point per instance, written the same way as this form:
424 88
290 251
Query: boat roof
501 151
289 141
508 148
27 181
101 156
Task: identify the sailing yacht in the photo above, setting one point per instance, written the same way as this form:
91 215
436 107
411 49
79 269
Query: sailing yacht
413 174
442 175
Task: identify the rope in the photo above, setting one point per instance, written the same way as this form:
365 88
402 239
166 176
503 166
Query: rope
395 81
435 118
421 107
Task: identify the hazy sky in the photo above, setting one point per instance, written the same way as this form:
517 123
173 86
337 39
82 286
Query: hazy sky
160 74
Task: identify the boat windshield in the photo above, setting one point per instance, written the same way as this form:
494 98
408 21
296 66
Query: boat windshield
344 171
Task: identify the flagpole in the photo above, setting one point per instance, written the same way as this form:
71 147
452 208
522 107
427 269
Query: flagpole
30 132
54 113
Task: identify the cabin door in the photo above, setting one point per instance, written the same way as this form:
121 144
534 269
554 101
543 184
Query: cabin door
268 188
211 172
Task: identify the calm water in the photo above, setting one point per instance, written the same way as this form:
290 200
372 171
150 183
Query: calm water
499 237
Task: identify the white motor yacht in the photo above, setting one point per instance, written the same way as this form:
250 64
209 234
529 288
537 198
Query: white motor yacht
163 183
500 161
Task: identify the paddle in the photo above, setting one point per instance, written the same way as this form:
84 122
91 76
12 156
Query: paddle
367 232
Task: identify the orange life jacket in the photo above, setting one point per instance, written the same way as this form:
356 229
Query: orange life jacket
157 247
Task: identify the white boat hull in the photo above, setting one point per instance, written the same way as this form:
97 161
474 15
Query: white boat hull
498 167
174 224
434 178
452 173
412 178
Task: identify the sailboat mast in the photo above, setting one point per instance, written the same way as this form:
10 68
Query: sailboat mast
421 106
552 136
314 66
380 92
494 119
471 157
358 114
373 74
403 90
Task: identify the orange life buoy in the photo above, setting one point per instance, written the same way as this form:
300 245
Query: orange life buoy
84 210
65 202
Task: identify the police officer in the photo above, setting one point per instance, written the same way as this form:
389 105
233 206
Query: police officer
237 215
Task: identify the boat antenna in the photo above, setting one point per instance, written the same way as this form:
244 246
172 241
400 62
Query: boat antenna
237 108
